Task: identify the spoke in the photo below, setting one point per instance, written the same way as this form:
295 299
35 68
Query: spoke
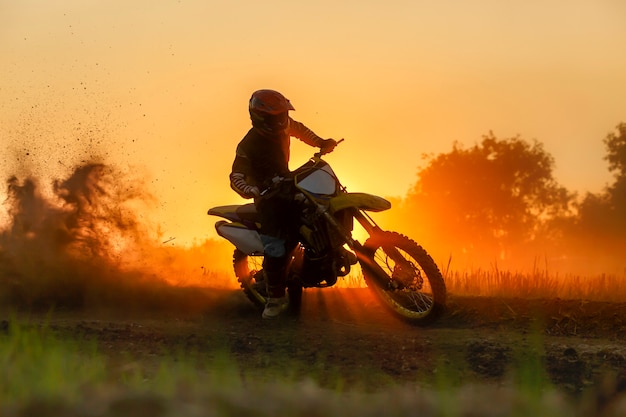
421 300
410 275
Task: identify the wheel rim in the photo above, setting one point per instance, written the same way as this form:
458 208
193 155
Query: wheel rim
409 290
252 268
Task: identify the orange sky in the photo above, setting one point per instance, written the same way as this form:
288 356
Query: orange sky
162 87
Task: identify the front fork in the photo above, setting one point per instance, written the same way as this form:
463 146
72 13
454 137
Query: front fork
367 262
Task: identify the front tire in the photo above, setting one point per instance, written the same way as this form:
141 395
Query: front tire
413 287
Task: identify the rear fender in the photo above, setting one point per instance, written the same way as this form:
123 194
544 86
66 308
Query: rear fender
246 240
361 201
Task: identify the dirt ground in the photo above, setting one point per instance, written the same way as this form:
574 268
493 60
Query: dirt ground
345 335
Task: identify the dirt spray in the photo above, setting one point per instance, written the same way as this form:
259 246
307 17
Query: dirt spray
88 240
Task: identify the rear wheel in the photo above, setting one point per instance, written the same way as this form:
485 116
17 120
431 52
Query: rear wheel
249 273
412 287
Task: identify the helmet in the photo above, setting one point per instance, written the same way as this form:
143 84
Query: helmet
269 111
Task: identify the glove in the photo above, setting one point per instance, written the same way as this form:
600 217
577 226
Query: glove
251 191
327 146
239 184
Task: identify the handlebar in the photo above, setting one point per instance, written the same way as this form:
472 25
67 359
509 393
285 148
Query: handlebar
277 181
321 153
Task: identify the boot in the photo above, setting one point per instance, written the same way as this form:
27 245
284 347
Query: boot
275 278
274 307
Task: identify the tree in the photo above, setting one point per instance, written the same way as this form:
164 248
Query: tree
616 151
598 233
616 155
490 197
604 215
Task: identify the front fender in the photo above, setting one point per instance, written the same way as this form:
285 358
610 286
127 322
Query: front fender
361 201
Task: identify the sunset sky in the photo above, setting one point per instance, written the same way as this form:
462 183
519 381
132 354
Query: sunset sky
160 88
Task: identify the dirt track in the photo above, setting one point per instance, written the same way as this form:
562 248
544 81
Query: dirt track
344 334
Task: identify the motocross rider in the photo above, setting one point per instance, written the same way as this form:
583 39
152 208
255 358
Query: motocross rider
262 157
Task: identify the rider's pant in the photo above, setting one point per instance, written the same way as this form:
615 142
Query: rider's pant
278 216
275 271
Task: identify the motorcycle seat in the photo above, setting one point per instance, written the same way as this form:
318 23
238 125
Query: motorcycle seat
247 212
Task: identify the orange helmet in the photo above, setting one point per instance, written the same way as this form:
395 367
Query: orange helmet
269 111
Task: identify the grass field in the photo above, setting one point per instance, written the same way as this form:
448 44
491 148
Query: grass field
43 373
496 283
536 284
46 373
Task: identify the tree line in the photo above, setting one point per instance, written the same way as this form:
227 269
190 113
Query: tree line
497 202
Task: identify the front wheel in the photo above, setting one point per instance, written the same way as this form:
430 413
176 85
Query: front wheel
412 286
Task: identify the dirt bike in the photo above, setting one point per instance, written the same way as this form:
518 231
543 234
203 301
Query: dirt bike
400 272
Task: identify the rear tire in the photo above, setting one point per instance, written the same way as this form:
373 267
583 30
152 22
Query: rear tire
415 289
249 273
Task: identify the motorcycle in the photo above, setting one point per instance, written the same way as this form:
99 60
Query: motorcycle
400 272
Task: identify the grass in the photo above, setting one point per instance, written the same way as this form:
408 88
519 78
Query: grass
44 374
536 284
36 365
511 284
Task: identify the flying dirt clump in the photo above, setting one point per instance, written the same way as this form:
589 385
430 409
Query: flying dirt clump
87 243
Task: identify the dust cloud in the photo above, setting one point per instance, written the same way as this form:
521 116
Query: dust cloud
87 239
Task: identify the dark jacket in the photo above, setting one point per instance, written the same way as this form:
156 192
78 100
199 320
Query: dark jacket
259 157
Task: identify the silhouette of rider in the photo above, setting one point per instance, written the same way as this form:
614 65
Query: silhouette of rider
261 158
